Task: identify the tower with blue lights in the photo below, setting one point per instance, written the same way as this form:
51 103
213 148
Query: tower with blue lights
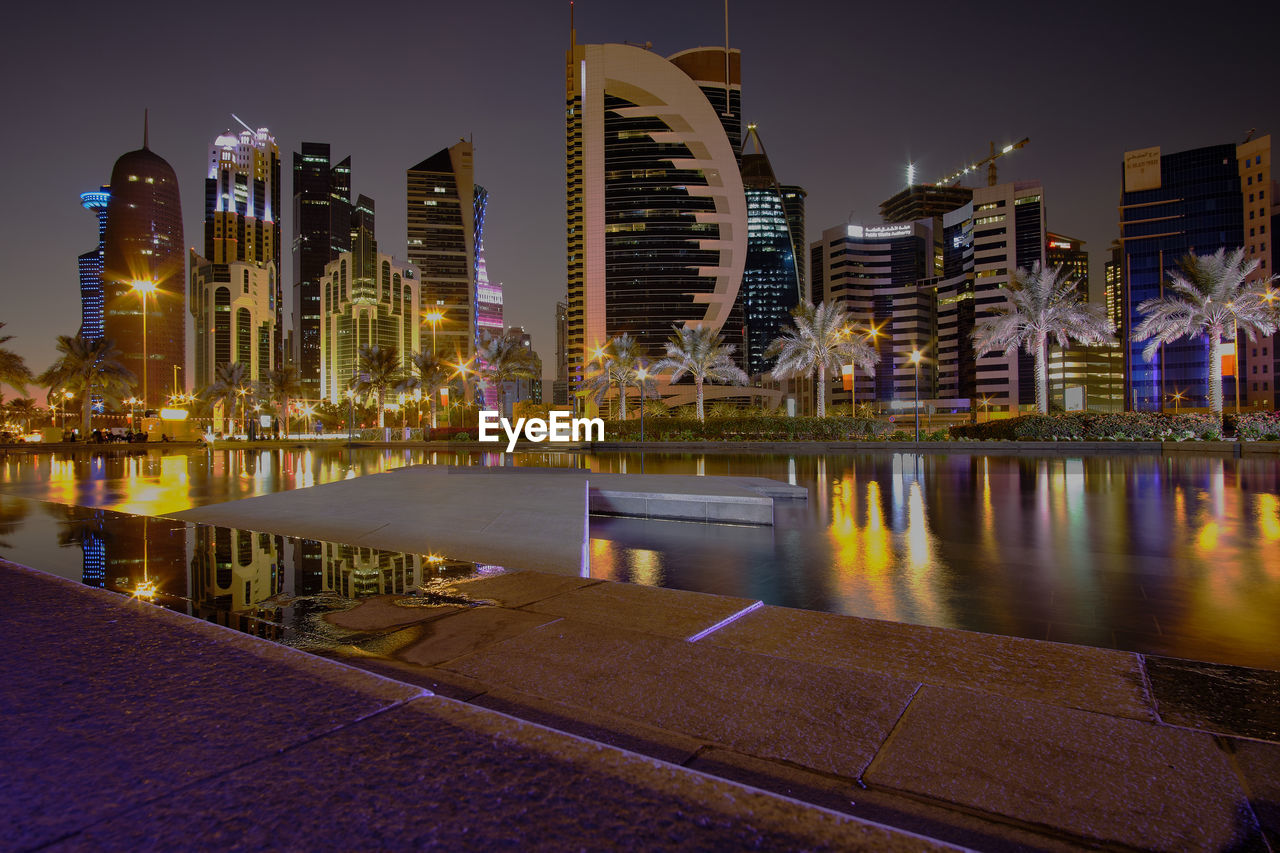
772 284
90 264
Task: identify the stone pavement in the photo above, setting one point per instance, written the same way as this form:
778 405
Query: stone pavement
990 742
124 726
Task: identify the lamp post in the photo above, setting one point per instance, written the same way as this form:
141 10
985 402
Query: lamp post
434 316
915 359
132 403
1177 398
144 288
351 418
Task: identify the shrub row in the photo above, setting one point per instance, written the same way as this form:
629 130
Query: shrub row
1095 426
747 428
1258 426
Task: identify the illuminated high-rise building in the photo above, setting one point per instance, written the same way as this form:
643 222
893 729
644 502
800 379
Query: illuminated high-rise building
1113 287
366 298
488 307
1070 253
143 265
656 213
321 232
1258 187
1173 204
445 225
90 264
772 283
236 292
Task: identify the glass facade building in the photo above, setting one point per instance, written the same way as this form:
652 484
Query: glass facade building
656 213
321 231
1173 204
771 280
143 242
445 218
90 265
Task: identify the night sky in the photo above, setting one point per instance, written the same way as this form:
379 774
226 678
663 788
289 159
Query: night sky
844 94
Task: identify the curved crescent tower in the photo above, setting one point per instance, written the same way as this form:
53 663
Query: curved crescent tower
143 243
656 215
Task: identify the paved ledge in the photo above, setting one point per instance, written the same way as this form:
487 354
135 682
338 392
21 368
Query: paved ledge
984 741
128 727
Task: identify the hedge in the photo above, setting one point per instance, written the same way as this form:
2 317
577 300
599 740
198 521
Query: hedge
1258 426
1095 426
747 428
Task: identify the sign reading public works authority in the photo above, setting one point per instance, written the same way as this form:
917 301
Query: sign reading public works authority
1142 169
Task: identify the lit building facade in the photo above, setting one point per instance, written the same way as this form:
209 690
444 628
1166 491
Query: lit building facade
488 307
1113 288
143 243
1172 204
1068 252
1258 187
321 231
445 219
236 295
90 265
366 298
875 273
771 280
656 214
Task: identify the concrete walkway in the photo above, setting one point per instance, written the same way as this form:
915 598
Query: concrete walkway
528 518
124 726
990 742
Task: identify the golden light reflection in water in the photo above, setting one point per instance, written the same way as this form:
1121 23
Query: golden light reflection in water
1267 511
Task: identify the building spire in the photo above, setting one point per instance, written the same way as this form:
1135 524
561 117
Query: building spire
145 128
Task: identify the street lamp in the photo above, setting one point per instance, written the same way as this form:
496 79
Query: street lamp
1178 397
133 403
144 288
985 402
915 359
351 418
62 407
434 316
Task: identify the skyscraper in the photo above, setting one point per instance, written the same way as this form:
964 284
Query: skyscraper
143 270
656 214
366 298
1259 360
488 307
445 220
321 231
771 278
90 264
1070 253
1173 204
236 293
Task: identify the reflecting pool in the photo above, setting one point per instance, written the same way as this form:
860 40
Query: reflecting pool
1169 555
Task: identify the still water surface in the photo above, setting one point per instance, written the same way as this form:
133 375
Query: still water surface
1167 555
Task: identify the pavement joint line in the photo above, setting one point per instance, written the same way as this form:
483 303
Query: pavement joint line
888 738
1148 692
1223 743
728 620
269 756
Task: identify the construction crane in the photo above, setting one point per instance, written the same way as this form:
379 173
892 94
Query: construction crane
989 161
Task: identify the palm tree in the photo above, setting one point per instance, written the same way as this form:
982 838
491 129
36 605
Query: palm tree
230 386
13 368
1043 303
821 339
89 368
1211 297
430 373
377 370
619 364
284 385
702 353
22 409
503 358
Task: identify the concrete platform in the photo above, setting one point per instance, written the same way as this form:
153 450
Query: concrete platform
525 518
124 726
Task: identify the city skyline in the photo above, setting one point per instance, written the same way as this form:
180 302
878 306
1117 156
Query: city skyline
850 160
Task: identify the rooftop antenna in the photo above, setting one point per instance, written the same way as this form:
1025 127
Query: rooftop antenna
573 36
242 124
727 111
911 174
1249 135
145 126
